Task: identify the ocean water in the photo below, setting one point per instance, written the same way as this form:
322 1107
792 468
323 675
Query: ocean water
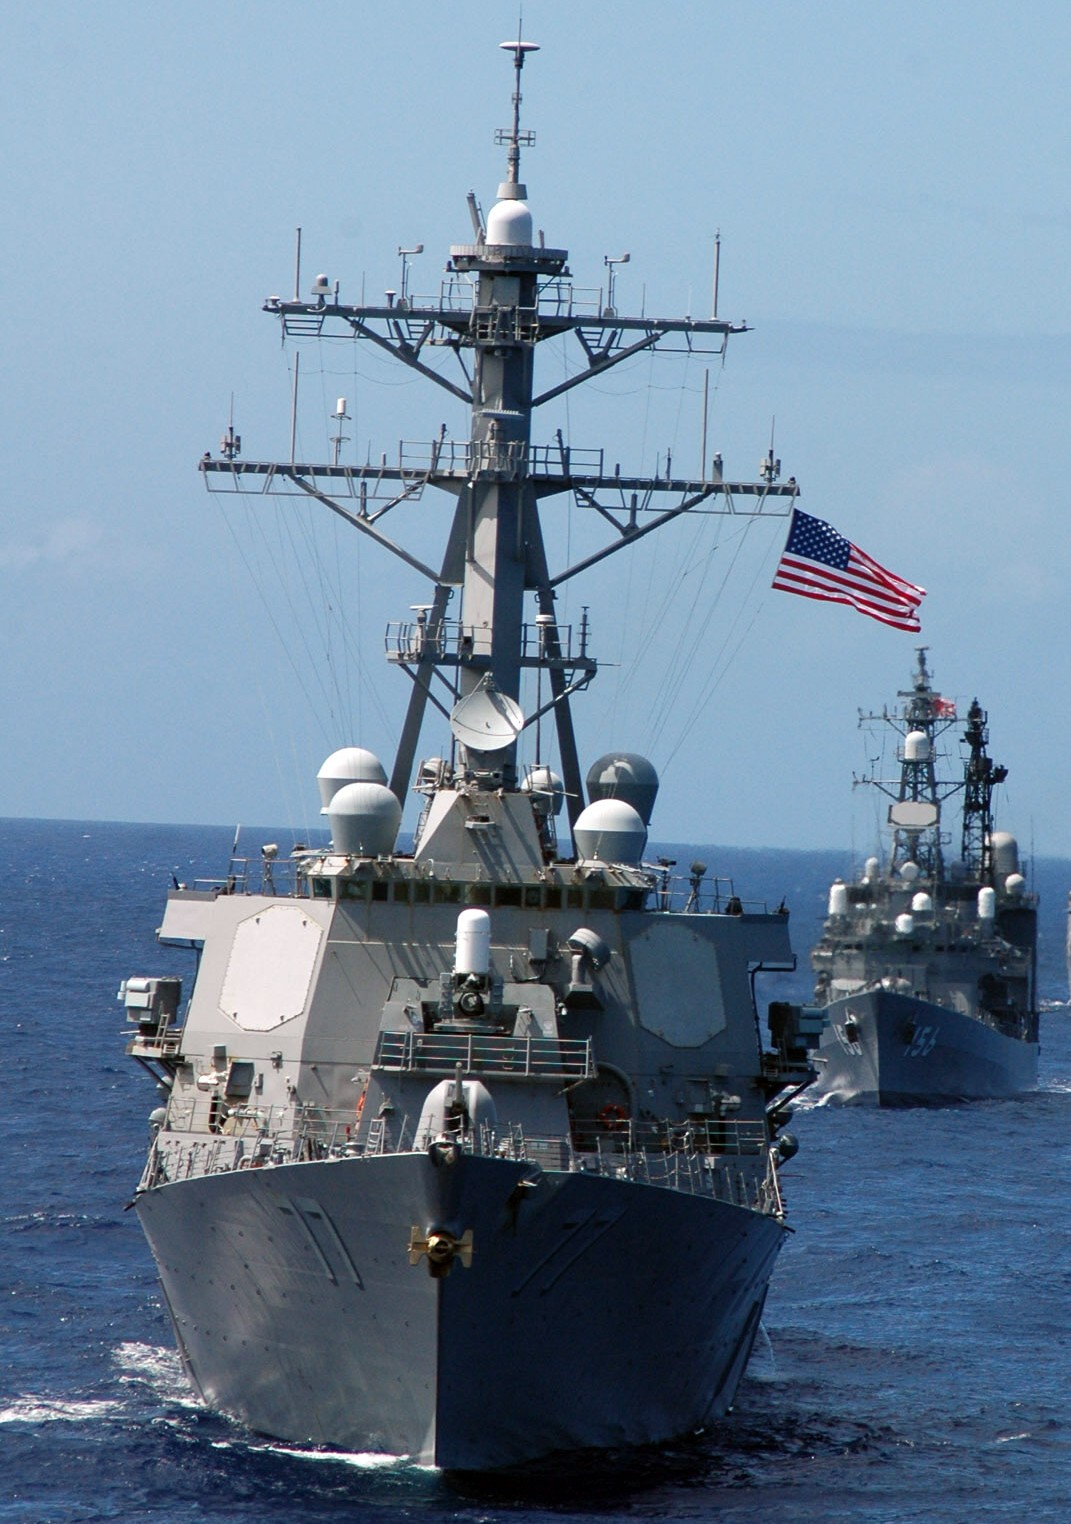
915 1358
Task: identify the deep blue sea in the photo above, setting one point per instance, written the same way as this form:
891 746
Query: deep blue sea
915 1361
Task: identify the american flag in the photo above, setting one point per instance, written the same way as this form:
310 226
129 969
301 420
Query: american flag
818 562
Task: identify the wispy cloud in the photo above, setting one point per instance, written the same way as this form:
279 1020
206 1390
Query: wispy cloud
66 542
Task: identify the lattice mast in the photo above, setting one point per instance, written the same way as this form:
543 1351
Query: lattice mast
503 295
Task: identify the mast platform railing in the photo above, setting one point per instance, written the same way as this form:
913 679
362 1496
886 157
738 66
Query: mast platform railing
551 468
449 641
559 299
465 459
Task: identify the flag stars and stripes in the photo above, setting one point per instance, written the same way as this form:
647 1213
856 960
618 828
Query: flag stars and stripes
819 562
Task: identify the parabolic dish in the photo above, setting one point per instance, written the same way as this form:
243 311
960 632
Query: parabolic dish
486 720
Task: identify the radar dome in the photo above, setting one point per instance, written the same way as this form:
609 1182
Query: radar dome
909 872
364 819
1014 885
624 775
546 788
473 945
610 831
350 764
510 222
916 746
1005 850
838 898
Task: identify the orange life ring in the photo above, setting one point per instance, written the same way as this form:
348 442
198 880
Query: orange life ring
612 1116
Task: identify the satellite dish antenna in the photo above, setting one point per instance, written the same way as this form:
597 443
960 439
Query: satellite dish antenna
486 720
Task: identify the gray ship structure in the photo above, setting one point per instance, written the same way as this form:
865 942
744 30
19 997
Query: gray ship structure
927 965
469 1151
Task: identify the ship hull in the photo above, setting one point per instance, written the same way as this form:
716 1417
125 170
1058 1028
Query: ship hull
594 1311
893 1050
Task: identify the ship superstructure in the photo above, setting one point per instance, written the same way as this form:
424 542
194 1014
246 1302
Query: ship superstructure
927 963
470 1152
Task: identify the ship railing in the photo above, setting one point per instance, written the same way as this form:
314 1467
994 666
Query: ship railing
331 1127
732 1162
407 640
739 1166
521 1058
510 458
266 874
698 891
161 1042
204 1112
740 1169
709 1136
557 299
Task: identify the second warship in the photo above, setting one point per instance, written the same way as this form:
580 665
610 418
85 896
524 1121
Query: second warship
469 1151
926 968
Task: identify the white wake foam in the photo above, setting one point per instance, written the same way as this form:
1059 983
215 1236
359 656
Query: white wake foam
47 1410
371 1460
157 1367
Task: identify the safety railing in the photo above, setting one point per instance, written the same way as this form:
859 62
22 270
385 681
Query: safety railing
466 458
449 640
732 1162
548 1058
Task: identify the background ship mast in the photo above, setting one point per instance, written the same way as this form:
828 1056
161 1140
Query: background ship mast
980 777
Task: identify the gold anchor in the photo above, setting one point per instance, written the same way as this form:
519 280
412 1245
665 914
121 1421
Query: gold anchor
441 1248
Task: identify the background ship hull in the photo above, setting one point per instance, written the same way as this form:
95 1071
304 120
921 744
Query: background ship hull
595 1311
910 1052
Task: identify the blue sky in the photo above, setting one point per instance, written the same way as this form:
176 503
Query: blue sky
890 183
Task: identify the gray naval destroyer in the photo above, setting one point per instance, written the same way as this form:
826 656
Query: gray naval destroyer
927 965
470 1152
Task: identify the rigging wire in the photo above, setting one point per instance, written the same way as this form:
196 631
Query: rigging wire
268 710
721 663
681 567
693 634
286 560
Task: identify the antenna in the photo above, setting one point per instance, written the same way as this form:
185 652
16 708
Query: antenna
231 443
340 416
610 262
293 406
516 138
769 467
717 268
403 295
486 720
476 213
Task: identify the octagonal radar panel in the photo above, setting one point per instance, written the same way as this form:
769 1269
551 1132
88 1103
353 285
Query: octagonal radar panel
914 814
486 720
